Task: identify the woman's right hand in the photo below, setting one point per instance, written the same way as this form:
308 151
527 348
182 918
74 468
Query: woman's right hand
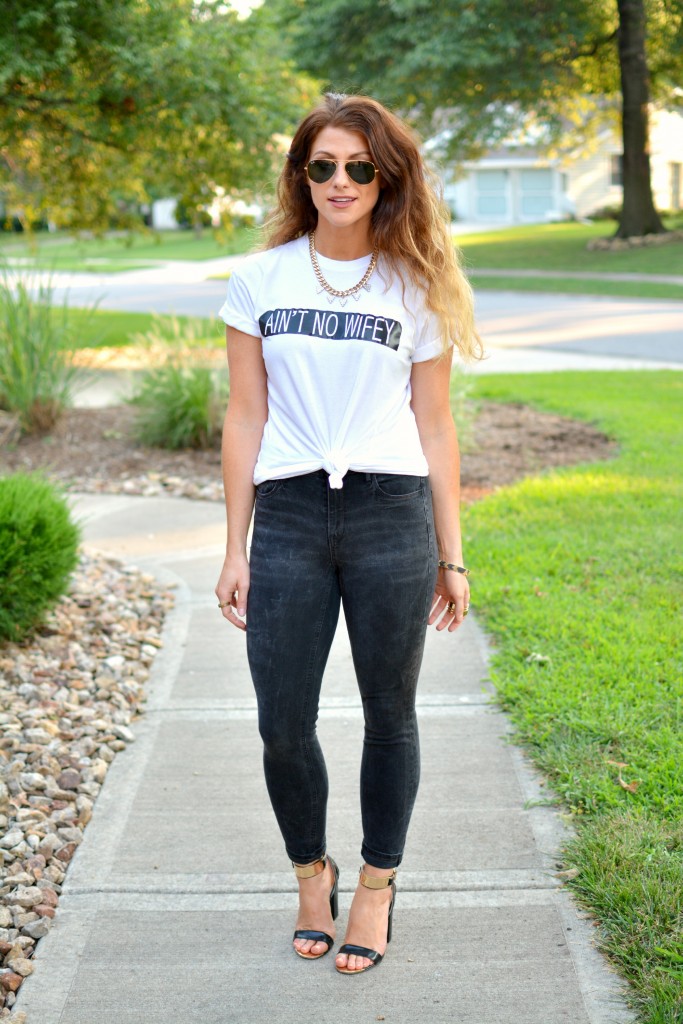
232 589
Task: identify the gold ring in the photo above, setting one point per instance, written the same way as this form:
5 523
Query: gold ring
451 607
467 608
224 604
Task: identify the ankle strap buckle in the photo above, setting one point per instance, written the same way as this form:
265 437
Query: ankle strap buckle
309 870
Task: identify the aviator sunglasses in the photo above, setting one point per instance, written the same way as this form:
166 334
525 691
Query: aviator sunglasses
361 171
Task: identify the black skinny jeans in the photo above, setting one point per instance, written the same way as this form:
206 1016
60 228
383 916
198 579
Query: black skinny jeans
370 544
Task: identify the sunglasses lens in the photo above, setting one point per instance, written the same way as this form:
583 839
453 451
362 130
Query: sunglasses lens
361 171
321 170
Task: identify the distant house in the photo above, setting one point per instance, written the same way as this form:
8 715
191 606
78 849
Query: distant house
519 184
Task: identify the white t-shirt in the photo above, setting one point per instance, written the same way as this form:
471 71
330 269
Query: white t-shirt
339 372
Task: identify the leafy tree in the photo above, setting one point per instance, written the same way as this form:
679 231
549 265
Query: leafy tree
479 67
101 102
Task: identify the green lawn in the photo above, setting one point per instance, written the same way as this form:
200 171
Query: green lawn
560 247
104 328
108 255
563 247
575 286
578 576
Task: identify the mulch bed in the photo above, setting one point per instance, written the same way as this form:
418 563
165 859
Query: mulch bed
509 442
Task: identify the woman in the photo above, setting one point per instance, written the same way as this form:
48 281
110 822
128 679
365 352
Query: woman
339 431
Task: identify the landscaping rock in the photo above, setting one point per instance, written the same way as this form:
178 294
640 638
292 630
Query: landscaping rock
22 966
32 781
10 980
25 896
635 242
70 779
123 733
43 910
59 731
11 839
37 929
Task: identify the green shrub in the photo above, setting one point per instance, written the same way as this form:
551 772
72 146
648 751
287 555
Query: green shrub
180 403
179 407
36 374
38 552
611 211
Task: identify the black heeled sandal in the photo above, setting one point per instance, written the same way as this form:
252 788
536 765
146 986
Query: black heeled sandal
371 882
308 871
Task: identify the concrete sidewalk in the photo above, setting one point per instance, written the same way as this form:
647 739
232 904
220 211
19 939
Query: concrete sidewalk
179 904
580 275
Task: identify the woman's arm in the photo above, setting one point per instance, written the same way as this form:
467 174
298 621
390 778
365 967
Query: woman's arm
242 432
430 386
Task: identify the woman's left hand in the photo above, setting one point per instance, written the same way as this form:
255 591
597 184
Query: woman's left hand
451 600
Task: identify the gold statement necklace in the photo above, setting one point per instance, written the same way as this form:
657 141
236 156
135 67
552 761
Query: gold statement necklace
335 293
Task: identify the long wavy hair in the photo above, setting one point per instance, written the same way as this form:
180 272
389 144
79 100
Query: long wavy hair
410 222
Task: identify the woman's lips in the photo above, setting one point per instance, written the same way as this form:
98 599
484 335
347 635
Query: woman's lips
338 201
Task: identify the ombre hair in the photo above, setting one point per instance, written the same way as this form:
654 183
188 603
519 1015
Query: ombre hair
410 222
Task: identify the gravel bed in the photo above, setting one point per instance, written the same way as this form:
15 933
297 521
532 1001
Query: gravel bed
149 485
67 700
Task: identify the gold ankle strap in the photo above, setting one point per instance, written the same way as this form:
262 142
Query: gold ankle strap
309 870
372 882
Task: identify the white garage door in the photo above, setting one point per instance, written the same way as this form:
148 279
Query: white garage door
492 195
535 194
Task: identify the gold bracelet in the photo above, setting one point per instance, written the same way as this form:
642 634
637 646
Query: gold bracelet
453 568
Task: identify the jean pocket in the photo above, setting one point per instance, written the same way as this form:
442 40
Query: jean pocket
268 487
397 486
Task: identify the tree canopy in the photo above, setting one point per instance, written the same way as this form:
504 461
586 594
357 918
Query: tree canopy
477 69
476 66
102 102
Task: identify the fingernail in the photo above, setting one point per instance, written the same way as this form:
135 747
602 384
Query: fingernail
241 611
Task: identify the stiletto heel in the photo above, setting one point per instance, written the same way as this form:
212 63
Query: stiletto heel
371 882
334 895
308 871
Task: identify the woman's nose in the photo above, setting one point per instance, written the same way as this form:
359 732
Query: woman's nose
340 176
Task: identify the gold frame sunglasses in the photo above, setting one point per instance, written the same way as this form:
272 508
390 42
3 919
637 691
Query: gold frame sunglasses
361 171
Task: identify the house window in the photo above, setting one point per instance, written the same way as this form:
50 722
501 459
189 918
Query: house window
676 179
616 176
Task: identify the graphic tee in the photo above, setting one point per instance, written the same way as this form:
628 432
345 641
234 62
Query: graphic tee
339 372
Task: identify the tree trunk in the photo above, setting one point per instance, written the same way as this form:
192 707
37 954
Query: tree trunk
639 216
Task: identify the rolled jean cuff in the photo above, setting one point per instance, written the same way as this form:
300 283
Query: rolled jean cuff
380 860
307 858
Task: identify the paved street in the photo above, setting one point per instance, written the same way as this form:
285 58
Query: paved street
523 331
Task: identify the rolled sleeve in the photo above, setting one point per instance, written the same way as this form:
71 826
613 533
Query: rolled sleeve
238 310
428 339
